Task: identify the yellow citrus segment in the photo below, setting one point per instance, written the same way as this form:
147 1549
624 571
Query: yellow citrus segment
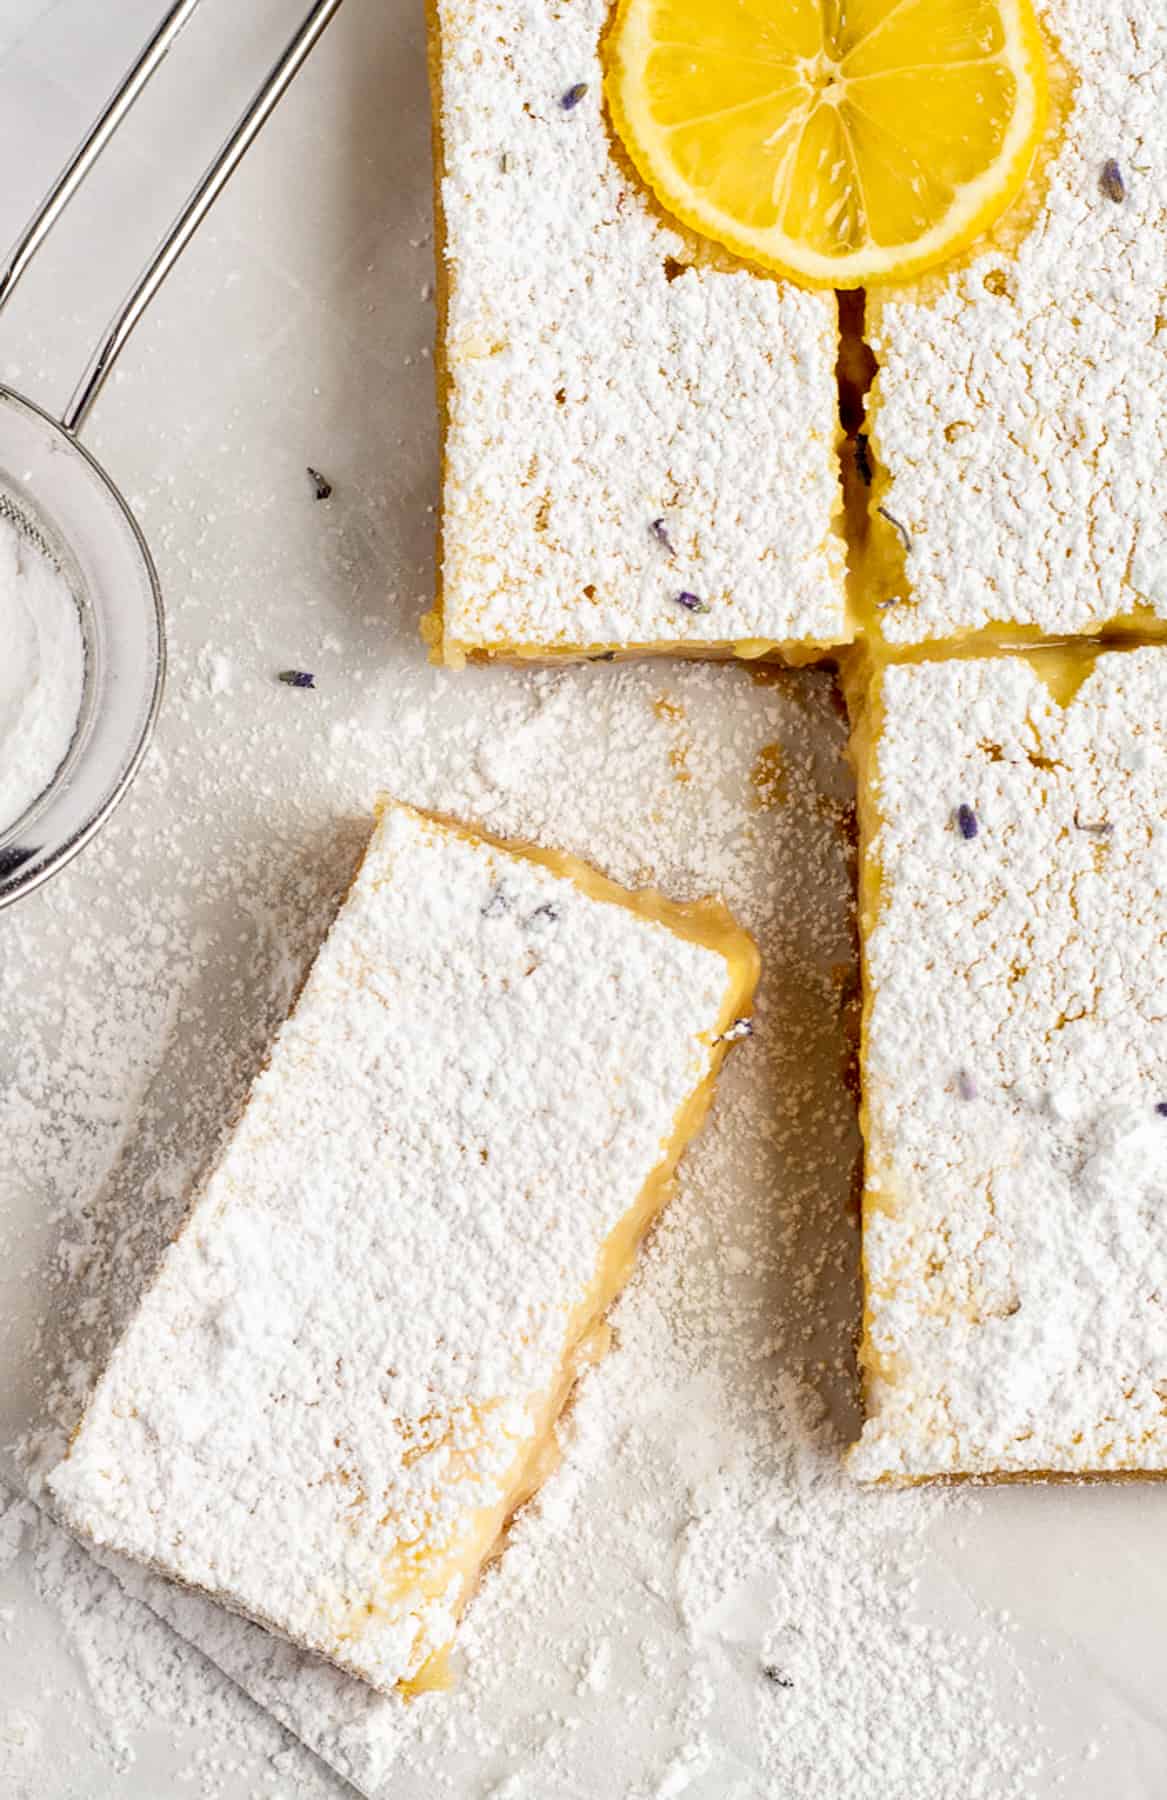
839 142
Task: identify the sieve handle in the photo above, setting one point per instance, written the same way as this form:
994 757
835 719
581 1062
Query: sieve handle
215 179
91 147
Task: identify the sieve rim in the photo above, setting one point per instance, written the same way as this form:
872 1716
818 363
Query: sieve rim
21 875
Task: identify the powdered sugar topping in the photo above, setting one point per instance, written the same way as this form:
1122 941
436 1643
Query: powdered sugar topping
1016 1232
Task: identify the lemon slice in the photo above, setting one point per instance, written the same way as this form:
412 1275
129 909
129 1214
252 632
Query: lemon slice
839 142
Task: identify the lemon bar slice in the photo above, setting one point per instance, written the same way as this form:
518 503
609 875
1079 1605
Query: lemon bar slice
1014 911
346 1374
640 439
1020 413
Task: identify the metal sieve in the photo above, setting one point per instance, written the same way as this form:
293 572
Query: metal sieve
70 509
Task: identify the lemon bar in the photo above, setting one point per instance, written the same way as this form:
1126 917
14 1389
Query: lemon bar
346 1373
640 440
1020 412
1014 911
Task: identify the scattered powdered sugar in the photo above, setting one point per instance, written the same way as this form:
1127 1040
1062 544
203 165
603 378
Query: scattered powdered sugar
127 1687
701 1531
754 1619
42 670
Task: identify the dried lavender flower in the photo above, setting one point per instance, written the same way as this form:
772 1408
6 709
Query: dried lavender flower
660 533
966 820
741 1028
1161 1108
496 905
693 603
573 96
296 678
905 535
1096 827
773 1673
1111 181
966 1087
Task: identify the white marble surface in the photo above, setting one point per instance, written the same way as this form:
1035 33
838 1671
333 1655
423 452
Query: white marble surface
298 332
